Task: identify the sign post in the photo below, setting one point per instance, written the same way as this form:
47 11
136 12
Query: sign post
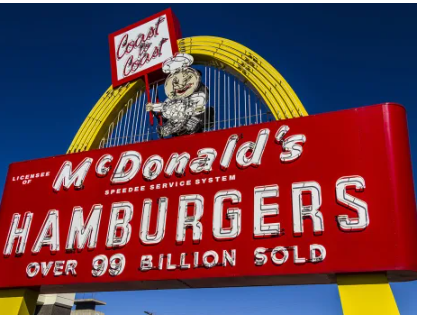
18 301
366 294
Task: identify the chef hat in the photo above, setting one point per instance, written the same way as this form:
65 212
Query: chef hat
180 60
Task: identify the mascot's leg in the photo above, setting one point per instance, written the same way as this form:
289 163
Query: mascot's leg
168 129
199 122
194 125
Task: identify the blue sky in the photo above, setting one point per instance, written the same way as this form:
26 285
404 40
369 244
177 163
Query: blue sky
56 65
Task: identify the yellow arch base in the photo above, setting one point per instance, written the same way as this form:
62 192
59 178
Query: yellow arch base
360 294
18 302
366 294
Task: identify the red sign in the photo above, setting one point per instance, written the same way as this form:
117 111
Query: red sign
142 47
284 202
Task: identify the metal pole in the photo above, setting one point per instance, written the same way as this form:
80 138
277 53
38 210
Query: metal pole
214 97
239 111
209 97
219 95
143 110
206 88
225 101
245 106
235 104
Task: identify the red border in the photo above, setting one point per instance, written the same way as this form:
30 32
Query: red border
174 34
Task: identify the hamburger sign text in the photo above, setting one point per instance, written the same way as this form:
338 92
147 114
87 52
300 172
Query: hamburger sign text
84 226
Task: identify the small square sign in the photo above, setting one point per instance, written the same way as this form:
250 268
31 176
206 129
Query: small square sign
142 47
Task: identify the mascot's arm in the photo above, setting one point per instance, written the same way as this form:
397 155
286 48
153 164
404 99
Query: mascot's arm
198 101
156 107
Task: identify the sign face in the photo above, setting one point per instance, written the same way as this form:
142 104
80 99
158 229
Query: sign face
285 202
142 47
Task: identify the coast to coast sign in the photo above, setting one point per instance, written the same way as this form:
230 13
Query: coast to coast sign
284 202
142 47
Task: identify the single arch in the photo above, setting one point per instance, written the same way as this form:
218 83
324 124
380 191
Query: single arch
226 54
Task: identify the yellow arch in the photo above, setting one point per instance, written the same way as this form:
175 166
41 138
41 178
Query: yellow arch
273 88
104 111
226 54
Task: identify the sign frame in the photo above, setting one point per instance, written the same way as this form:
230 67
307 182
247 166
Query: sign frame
174 33
388 125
